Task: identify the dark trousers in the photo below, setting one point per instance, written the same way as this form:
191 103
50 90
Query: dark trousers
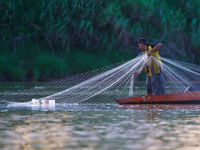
155 85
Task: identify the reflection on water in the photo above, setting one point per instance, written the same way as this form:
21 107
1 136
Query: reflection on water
100 127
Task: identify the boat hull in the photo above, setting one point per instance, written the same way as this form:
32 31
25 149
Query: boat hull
176 98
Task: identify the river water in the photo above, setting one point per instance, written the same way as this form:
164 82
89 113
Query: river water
101 127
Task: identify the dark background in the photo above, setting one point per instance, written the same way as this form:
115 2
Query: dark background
45 39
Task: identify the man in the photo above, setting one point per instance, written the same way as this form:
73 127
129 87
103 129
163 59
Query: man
154 81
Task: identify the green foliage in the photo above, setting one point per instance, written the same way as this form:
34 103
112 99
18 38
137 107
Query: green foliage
11 71
48 67
81 61
67 36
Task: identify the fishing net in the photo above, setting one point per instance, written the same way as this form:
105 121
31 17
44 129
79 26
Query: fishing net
110 83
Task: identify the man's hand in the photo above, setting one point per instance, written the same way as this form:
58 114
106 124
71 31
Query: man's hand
157 47
136 73
149 53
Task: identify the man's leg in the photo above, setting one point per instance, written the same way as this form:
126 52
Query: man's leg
158 85
148 86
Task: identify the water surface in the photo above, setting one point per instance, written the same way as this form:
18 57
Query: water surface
101 127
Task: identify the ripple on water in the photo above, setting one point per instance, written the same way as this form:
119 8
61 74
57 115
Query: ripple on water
99 127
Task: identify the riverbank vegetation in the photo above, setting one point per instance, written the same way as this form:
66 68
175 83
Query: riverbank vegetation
54 38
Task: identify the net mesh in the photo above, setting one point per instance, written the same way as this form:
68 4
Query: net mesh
110 83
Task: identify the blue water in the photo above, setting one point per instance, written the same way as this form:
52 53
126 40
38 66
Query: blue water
98 127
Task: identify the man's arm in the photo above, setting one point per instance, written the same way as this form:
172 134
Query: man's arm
136 73
157 47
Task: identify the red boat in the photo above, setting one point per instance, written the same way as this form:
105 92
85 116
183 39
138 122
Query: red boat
176 98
